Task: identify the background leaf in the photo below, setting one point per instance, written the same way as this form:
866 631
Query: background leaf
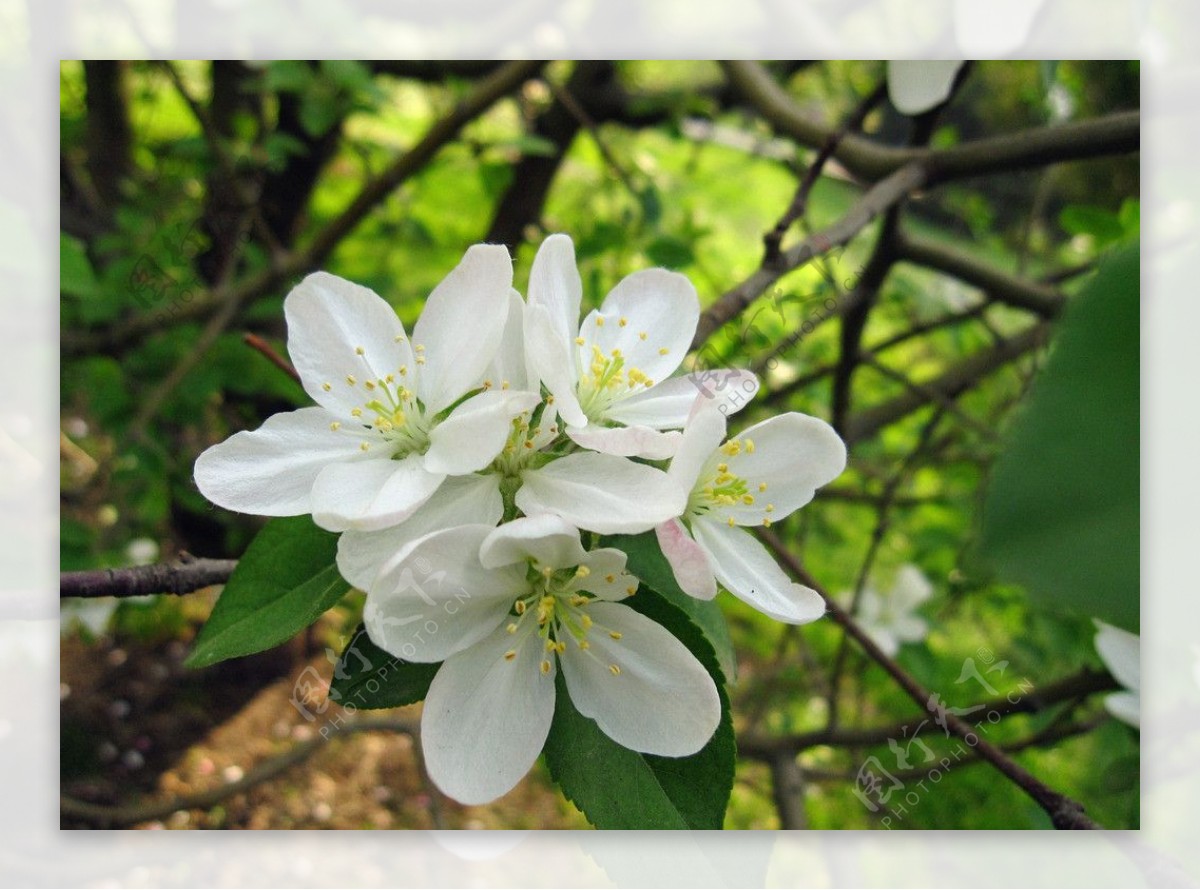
286 581
1062 512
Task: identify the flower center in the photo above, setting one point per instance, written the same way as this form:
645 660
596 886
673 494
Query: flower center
720 487
559 609
389 408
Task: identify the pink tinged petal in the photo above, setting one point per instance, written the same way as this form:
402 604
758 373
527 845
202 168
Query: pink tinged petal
793 455
486 717
660 304
329 319
461 500
552 363
602 565
434 598
668 405
546 539
1126 707
746 569
1121 652
554 284
271 470
461 325
371 494
627 441
658 700
697 449
687 559
601 493
475 432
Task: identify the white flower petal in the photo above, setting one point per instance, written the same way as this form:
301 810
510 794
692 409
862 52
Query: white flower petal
434 598
546 539
601 493
660 700
701 437
627 441
474 433
917 85
486 717
371 494
1121 652
602 565
554 284
552 363
687 559
328 320
793 455
909 628
883 637
1126 707
509 365
668 404
460 500
746 569
910 589
660 304
270 471
461 325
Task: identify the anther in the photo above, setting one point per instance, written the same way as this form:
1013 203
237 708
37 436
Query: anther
326 387
512 628
623 322
335 426
615 634
614 670
520 607
510 655
545 666
358 350
579 341
663 350
350 379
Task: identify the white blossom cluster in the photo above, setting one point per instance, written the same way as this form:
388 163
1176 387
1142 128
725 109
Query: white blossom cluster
471 468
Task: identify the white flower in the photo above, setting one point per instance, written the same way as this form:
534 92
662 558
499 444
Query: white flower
889 618
1121 653
611 375
395 418
771 470
506 609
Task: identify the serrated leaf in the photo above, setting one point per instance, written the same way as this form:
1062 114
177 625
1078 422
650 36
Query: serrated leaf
646 562
368 677
286 580
617 788
1062 511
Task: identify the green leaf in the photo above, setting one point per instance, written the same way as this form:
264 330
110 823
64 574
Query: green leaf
647 562
286 580
75 273
1101 224
1061 515
368 677
618 788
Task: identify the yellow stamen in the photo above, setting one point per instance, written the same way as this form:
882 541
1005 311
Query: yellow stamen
520 607
335 426
663 351
614 669
579 341
358 350
326 387
615 634
510 655
545 666
512 628
350 379
623 322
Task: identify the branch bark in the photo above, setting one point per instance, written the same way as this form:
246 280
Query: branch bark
185 576
1064 812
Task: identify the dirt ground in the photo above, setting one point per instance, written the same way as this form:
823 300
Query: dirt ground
147 743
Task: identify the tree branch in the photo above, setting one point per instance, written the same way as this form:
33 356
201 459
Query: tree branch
489 91
1064 812
876 200
185 576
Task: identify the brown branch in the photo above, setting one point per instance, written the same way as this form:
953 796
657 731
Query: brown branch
1042 299
1117 133
1068 689
954 381
258 344
185 576
1064 812
489 90
796 210
875 201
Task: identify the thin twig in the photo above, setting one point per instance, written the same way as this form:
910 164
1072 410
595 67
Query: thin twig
1064 812
259 344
